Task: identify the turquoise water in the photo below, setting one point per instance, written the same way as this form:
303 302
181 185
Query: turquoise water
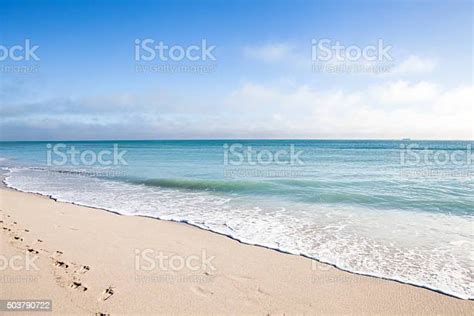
370 207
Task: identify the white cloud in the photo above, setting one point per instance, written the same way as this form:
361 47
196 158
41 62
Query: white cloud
392 110
402 92
396 109
415 65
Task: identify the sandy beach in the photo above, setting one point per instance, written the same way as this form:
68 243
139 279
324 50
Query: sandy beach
92 261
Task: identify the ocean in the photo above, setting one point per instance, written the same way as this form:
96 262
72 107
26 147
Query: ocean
401 210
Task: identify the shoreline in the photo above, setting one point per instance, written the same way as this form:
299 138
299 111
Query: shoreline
3 183
326 272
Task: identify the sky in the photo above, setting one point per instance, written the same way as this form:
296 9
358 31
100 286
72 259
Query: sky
273 69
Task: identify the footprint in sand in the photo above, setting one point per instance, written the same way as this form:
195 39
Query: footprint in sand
201 291
259 290
31 250
61 264
240 278
18 238
84 269
106 294
78 286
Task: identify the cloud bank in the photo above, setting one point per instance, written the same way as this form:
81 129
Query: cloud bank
389 110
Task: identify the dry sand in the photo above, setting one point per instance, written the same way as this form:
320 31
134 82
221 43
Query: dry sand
91 261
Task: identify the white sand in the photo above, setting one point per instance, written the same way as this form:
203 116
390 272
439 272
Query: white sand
238 279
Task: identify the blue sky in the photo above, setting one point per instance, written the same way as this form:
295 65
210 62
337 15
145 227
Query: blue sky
85 85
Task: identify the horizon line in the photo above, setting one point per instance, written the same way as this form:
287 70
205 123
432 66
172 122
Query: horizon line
234 139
